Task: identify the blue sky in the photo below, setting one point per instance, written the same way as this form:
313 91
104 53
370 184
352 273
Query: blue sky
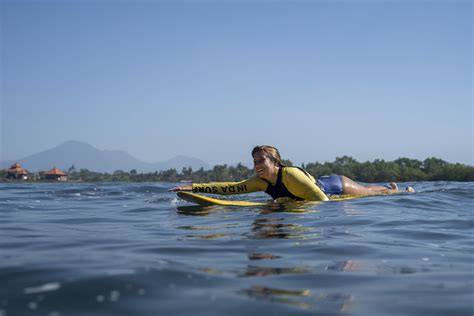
212 79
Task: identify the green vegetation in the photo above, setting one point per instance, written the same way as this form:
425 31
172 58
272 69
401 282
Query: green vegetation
218 173
402 169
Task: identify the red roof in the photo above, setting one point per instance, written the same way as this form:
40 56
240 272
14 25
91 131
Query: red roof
55 171
16 168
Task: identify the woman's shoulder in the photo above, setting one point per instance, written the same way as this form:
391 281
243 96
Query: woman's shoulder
296 172
256 179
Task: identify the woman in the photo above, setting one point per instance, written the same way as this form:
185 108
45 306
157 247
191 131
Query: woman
279 181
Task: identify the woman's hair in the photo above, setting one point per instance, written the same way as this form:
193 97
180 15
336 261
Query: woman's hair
269 151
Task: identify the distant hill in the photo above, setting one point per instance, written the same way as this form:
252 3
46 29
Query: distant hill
85 156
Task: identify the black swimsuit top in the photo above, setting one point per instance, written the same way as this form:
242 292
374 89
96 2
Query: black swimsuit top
279 189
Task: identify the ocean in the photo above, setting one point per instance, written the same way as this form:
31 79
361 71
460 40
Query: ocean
136 249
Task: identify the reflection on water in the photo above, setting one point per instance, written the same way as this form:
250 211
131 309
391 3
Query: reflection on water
262 228
255 271
265 271
266 225
291 297
262 256
196 210
303 299
278 228
289 207
207 236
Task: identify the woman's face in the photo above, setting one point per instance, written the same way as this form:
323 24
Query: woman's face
264 166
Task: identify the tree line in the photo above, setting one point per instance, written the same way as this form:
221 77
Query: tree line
402 169
379 170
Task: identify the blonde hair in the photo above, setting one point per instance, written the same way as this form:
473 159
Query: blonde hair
269 151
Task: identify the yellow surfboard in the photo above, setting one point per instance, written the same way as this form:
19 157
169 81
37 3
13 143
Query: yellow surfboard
208 201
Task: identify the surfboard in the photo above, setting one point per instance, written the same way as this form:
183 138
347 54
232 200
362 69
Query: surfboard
208 201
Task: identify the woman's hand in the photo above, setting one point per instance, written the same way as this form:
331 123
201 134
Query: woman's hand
181 188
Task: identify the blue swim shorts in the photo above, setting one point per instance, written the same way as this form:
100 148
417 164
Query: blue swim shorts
330 184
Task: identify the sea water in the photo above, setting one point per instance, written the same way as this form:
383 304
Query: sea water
136 249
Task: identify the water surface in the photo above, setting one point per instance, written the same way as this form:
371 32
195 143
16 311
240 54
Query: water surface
135 249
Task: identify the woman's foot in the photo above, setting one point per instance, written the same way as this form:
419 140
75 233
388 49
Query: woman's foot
409 189
393 187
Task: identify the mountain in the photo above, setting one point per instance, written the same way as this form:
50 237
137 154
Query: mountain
85 156
179 162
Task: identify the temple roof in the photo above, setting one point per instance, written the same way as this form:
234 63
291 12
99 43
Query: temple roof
55 171
16 168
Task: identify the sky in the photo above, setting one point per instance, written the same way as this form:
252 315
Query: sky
212 79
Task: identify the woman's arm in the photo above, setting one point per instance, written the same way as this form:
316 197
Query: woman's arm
224 188
300 185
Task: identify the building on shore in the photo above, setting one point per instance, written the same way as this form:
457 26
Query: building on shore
55 174
17 172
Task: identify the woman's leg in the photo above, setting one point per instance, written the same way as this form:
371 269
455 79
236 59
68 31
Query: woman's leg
351 187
